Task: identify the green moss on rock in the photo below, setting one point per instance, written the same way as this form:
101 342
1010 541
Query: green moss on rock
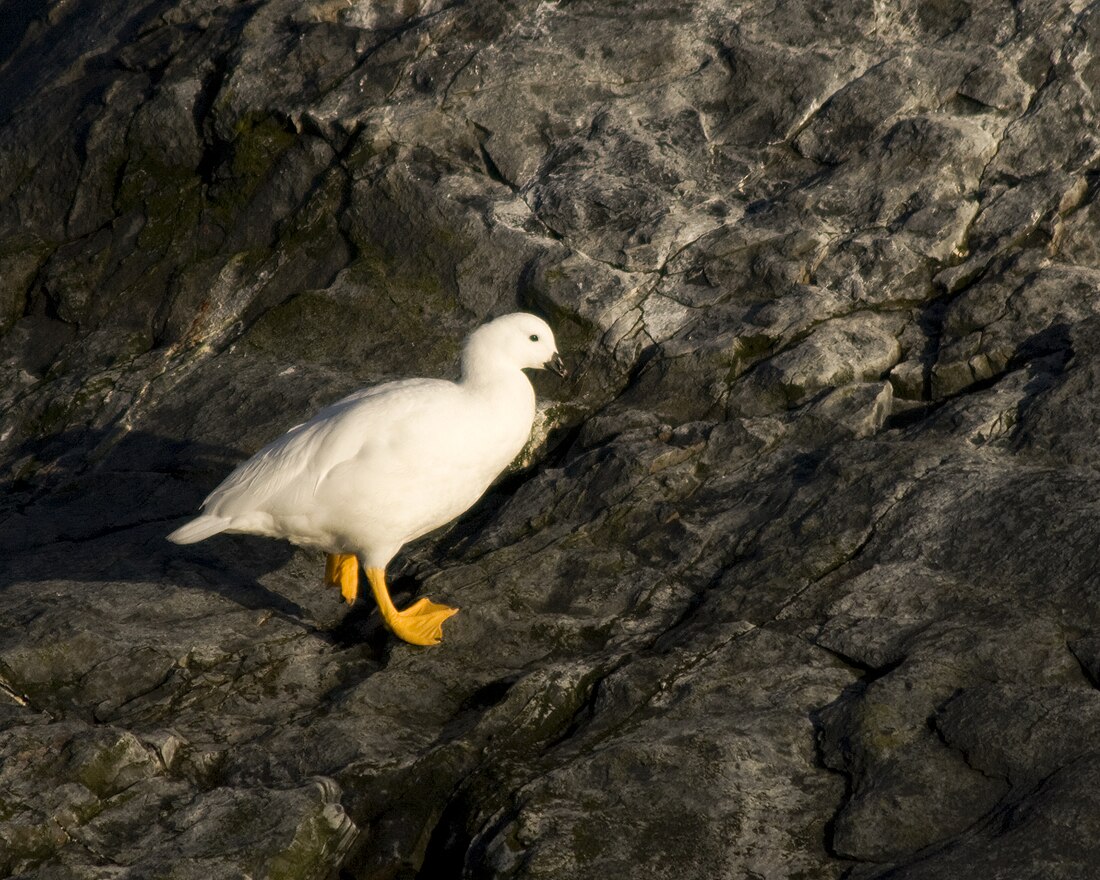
107 768
322 836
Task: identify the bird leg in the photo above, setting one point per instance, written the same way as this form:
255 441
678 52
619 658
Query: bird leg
419 624
342 570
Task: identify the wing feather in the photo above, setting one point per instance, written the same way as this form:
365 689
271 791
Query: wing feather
298 461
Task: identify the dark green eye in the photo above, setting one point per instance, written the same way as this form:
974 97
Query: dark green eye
533 338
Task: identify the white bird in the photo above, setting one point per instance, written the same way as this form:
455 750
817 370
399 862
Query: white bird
388 464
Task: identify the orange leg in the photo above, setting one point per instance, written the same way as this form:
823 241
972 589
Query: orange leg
342 570
419 624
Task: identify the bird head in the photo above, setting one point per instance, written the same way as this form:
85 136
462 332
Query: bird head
520 339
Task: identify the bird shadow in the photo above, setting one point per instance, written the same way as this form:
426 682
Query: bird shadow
361 626
90 507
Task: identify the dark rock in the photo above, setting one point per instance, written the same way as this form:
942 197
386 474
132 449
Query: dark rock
797 576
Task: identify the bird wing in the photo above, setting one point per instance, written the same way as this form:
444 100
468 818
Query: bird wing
298 461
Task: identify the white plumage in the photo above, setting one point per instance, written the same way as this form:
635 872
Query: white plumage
390 463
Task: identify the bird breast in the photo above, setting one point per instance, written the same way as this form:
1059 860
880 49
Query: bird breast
425 467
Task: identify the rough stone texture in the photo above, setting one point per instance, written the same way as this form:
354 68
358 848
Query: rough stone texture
798 579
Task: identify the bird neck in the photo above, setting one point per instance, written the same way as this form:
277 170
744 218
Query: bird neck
483 366
486 374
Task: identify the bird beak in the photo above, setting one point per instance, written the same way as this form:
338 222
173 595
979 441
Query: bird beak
557 365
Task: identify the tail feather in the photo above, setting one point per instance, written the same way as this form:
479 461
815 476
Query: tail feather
198 529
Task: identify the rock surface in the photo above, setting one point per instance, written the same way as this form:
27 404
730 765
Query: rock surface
799 580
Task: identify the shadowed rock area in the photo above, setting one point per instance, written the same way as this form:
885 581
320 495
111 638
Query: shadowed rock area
799 576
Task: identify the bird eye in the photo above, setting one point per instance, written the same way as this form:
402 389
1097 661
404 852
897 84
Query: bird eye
533 338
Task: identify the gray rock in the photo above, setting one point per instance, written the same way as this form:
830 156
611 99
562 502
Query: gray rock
797 576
